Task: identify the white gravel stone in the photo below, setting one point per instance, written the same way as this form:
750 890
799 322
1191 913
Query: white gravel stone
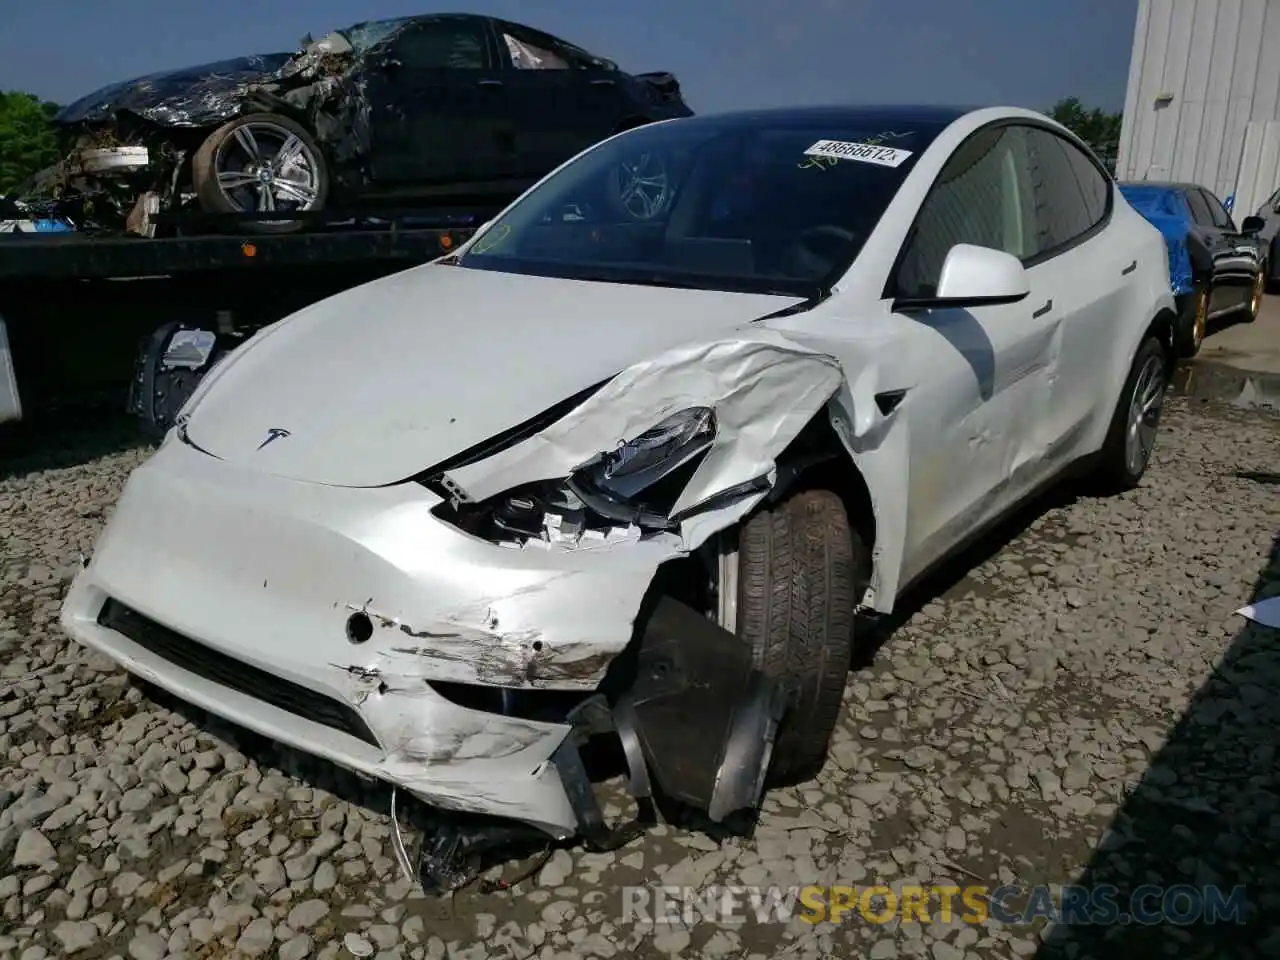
33 850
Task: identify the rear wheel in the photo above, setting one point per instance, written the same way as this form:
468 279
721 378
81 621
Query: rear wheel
261 163
1255 295
796 571
1136 420
1193 323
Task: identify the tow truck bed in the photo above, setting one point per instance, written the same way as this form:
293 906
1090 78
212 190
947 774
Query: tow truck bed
74 325
71 256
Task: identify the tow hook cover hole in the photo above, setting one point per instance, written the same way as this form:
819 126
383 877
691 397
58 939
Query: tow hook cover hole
359 627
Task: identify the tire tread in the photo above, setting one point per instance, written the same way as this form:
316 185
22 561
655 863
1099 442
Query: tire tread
797 575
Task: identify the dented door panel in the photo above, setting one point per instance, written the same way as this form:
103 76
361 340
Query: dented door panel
983 381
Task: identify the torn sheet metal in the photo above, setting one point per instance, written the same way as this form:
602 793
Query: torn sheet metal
518 637
763 387
188 97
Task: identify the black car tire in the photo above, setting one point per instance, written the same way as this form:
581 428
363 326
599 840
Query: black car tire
797 564
1193 321
1273 265
214 200
1114 473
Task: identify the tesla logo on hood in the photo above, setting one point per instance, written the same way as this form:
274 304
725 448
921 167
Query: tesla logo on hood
275 433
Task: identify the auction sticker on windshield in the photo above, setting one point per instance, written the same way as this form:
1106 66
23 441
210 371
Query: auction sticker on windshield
866 152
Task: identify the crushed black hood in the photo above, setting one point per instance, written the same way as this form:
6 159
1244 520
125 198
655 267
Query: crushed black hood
188 97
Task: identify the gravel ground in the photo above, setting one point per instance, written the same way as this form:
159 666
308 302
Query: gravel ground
1077 704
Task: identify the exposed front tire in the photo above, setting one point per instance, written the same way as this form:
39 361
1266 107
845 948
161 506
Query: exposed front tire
1136 420
261 163
797 566
1193 322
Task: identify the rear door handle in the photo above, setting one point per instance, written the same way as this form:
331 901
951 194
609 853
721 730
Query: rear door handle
489 83
1130 268
1048 305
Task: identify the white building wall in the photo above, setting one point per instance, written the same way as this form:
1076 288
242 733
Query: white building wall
1201 71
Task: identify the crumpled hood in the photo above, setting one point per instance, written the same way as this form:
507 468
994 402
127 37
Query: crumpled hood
378 383
187 97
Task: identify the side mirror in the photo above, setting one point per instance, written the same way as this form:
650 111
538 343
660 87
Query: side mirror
974 276
1252 224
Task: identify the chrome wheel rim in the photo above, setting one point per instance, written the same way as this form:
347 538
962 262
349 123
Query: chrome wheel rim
265 168
1259 283
1144 414
1201 322
643 186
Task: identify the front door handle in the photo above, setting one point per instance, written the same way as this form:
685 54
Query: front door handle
489 83
1048 305
1130 268
602 83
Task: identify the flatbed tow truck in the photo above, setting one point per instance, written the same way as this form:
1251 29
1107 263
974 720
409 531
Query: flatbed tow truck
139 320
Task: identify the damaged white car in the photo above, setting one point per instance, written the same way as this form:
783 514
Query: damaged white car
604 476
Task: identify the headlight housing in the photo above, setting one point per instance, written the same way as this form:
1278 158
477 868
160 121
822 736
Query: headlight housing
636 465
635 484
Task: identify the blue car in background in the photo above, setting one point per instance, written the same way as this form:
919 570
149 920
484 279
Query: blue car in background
1216 268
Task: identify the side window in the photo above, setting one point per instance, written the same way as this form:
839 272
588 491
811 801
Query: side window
529 55
1218 212
1199 208
442 45
982 196
1093 184
1067 204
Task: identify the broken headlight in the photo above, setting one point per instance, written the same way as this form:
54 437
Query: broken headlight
640 481
634 485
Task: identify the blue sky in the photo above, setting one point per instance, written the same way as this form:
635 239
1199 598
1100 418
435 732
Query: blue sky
727 53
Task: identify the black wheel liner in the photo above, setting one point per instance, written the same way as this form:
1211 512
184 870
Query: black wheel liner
157 392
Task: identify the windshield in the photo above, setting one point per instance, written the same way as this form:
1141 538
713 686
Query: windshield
365 36
753 205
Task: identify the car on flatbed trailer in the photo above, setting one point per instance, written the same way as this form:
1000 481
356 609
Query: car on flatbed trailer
444 108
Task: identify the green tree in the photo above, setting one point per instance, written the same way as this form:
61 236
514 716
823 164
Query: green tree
28 140
1099 129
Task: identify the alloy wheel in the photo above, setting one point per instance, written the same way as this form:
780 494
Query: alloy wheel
1201 323
1144 414
643 186
263 168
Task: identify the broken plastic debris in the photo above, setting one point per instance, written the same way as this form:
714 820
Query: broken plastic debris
1265 612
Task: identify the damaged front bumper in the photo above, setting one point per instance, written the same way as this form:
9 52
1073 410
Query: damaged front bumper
106 184
355 625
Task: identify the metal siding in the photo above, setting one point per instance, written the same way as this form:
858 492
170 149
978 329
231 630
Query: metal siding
1218 97
1149 85
1195 89
1220 60
1259 167
1176 60
1128 121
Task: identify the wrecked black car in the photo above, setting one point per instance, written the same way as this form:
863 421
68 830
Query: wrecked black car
447 108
